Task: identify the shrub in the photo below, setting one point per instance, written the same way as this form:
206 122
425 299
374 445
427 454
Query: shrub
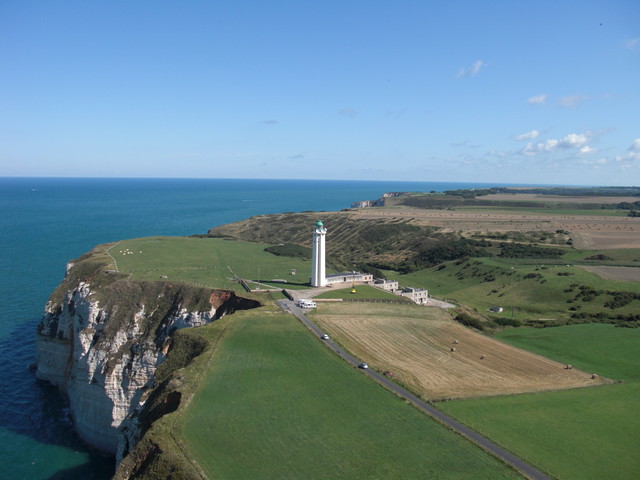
507 322
518 250
469 321
599 256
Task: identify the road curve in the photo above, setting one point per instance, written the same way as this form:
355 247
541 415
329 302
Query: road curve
516 462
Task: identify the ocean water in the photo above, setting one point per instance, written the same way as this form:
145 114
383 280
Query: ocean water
45 222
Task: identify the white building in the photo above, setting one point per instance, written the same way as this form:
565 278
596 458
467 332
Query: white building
349 277
418 295
318 272
387 285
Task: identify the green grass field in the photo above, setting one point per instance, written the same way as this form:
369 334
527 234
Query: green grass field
575 434
205 261
275 403
481 283
604 349
364 292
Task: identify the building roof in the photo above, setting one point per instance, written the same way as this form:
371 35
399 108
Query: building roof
346 274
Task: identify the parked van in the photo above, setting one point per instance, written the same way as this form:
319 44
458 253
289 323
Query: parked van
303 303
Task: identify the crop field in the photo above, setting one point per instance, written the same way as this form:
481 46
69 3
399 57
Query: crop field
537 197
210 262
415 344
542 210
574 434
588 231
626 274
275 403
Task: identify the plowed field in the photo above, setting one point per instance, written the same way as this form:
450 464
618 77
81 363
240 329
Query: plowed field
415 344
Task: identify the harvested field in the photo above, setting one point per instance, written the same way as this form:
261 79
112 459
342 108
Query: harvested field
418 346
625 274
588 231
537 197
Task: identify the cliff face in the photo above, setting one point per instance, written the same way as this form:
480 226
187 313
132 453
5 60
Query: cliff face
100 345
375 203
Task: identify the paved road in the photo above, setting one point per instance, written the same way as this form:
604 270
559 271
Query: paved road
516 462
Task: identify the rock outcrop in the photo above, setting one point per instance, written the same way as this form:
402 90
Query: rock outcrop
101 344
375 203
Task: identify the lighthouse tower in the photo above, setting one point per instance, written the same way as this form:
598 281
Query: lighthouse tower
318 274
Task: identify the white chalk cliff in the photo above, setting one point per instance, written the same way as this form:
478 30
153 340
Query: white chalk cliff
102 353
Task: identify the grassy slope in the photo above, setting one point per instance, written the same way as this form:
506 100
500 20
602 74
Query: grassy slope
204 261
276 404
576 434
542 297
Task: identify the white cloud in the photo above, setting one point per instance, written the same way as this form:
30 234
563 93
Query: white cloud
631 159
472 71
586 150
633 44
572 101
528 136
572 141
595 163
538 99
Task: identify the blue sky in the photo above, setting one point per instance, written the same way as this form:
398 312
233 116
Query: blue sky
500 91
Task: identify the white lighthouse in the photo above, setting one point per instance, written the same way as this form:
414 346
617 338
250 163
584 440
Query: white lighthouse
318 273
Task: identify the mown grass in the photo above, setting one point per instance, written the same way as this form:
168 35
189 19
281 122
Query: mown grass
576 434
210 262
573 434
602 349
362 292
275 403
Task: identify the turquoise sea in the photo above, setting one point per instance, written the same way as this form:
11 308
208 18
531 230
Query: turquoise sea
45 222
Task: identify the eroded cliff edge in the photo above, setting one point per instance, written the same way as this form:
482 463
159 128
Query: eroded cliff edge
103 337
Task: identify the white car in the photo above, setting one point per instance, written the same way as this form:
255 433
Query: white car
363 366
324 336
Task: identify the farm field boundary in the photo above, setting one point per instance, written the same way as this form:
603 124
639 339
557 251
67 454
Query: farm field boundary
438 358
276 404
573 434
